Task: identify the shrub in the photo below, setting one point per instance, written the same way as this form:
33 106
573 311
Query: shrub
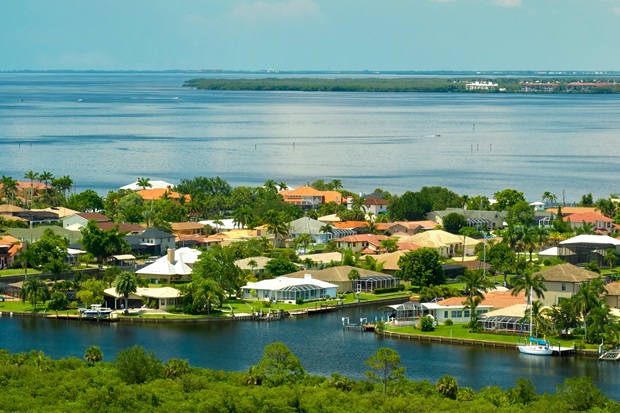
267 304
427 323
447 387
299 301
135 366
389 290
448 322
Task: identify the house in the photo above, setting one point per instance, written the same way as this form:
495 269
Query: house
539 87
30 216
254 264
600 223
374 205
366 243
319 261
368 281
10 247
31 235
154 185
155 194
389 261
159 298
82 219
171 267
484 220
563 281
568 210
151 242
309 226
196 241
583 249
612 296
404 228
478 85
221 225
309 198
445 243
538 206
454 308
288 289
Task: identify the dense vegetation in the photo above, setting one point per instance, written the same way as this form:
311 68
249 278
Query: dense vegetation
404 84
137 381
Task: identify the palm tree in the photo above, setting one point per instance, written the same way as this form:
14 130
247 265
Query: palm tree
541 236
144 183
208 294
271 186
389 245
45 177
276 224
549 197
530 283
243 216
33 290
586 228
283 186
476 284
126 283
587 298
93 355
9 187
326 229
606 207
539 319
33 176
305 239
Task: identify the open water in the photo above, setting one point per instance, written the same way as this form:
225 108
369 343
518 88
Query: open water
319 341
107 129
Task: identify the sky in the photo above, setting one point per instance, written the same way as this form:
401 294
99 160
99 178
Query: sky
293 35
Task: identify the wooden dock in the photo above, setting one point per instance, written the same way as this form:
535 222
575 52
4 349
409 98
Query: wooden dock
612 355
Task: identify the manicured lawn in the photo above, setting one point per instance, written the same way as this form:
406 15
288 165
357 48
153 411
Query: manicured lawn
18 305
458 331
18 271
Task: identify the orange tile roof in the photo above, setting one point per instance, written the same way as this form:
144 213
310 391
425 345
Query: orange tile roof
572 210
591 217
495 299
350 224
407 246
375 201
15 244
292 195
370 238
158 193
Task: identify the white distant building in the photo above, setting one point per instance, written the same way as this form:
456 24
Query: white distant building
154 185
480 85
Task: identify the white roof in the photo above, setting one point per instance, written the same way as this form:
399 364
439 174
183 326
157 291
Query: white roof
551 252
537 203
163 292
164 267
283 282
154 185
73 251
75 227
227 223
124 257
185 254
591 239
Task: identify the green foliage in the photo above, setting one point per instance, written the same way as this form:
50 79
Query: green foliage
523 393
427 323
386 290
299 301
580 394
85 201
135 365
447 387
91 292
49 248
593 266
386 369
279 266
279 365
507 198
448 322
34 290
93 355
176 368
422 267
58 302
102 244
454 222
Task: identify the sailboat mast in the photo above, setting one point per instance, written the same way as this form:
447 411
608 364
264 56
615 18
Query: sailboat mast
530 303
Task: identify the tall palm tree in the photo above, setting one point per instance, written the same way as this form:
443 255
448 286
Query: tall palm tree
144 183
305 239
276 224
326 229
476 284
539 318
549 197
530 283
33 290
586 228
271 185
33 176
126 283
541 236
45 177
243 216
587 298
9 187
611 257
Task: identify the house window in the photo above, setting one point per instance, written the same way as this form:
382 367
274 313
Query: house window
466 313
457 314
445 314
563 286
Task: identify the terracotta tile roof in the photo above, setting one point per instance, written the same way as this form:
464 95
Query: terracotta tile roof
382 226
370 238
94 216
495 299
350 224
390 260
180 226
592 217
158 193
14 245
334 274
568 273
572 210
407 246
375 201
9 209
292 195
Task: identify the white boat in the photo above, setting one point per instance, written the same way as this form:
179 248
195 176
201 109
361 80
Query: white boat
96 310
535 347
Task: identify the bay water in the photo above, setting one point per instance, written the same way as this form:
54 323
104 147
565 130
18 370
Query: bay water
107 129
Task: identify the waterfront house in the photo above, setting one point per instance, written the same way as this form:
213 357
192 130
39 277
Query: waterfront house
82 219
583 249
368 281
445 243
155 194
187 228
404 228
563 281
10 248
600 223
31 235
310 198
151 242
254 264
31 217
158 298
612 296
483 220
288 289
176 265
309 226
366 243
153 185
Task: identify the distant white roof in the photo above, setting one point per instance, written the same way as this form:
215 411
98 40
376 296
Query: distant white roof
72 251
75 227
165 267
163 292
283 282
551 252
591 239
154 185
226 224
185 254
124 257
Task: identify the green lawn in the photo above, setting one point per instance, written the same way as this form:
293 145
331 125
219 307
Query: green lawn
459 331
18 271
17 305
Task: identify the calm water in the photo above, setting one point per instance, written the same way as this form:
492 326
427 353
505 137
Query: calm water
319 342
105 130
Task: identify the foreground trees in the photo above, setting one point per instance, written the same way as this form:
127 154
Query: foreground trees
422 267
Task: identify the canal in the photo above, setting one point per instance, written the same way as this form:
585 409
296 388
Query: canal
319 341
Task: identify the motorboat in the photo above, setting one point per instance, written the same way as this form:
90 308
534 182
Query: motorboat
96 311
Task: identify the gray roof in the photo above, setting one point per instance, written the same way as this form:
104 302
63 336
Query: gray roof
155 233
305 225
33 234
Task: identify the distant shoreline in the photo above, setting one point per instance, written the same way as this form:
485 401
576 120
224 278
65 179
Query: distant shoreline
408 85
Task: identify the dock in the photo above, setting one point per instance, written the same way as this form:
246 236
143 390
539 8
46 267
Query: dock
612 355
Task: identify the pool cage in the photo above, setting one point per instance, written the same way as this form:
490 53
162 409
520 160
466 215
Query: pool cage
504 324
370 283
304 291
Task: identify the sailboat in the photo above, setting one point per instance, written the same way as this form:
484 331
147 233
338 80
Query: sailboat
535 346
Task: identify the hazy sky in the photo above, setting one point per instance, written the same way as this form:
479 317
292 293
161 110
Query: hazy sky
310 34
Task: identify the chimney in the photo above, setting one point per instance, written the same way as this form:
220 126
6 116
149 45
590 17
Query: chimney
170 255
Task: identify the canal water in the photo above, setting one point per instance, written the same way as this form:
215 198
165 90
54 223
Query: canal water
319 341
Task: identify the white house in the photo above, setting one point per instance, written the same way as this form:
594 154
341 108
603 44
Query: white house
289 289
